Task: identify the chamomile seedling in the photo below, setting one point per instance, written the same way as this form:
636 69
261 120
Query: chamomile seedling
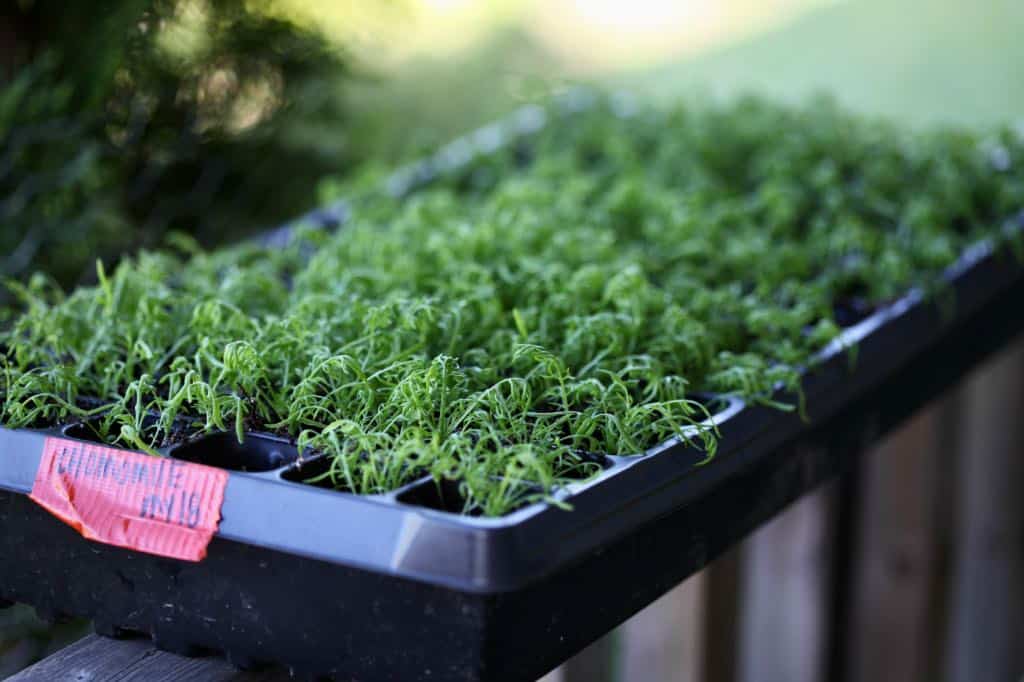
495 327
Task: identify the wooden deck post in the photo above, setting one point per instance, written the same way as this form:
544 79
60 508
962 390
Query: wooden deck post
986 634
664 641
900 569
786 578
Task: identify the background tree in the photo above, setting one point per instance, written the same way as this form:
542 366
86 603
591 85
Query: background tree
117 126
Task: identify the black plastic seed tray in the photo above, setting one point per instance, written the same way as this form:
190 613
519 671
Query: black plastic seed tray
398 587
394 587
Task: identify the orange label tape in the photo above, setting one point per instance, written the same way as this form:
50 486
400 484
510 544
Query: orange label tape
149 504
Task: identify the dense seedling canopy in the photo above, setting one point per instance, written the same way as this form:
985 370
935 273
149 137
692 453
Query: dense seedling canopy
571 294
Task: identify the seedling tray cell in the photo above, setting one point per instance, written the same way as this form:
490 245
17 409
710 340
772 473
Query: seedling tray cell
394 587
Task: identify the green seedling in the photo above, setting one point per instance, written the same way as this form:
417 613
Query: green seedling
492 329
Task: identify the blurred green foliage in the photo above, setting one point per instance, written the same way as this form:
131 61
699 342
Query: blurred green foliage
118 126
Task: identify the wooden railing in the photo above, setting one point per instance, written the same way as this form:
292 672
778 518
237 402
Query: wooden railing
909 568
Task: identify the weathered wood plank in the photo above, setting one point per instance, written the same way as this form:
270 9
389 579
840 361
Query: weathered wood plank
98 659
784 623
898 559
944 512
664 642
987 608
723 601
